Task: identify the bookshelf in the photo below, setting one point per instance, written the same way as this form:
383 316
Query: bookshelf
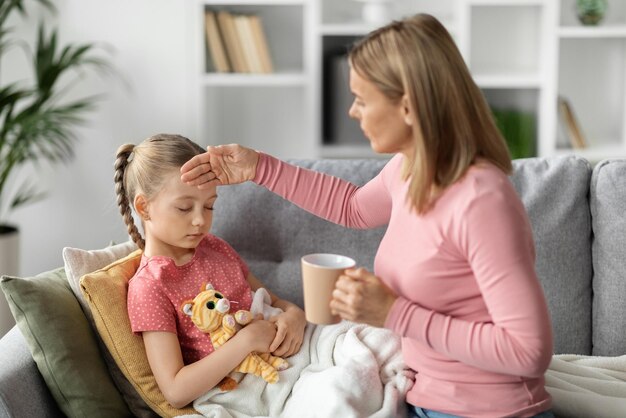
250 107
524 54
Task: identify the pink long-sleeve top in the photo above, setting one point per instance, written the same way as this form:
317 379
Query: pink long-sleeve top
470 310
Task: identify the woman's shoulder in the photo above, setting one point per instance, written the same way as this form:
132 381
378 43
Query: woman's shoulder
485 175
391 173
482 181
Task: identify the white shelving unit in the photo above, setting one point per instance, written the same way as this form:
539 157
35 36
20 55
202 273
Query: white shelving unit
524 54
591 70
271 112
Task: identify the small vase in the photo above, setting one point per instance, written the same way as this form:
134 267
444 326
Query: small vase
591 12
375 11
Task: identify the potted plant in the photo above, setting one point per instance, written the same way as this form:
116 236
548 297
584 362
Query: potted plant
591 12
35 122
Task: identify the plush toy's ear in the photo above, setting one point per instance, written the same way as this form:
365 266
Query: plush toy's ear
206 286
187 307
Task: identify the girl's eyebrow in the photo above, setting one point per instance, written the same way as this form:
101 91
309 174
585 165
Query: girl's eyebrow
188 197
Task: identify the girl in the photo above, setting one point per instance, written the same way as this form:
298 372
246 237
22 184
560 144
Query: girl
179 255
454 275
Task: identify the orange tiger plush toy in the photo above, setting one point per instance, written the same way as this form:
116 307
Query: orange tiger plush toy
209 312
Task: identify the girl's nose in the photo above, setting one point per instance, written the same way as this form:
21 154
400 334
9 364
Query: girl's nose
198 219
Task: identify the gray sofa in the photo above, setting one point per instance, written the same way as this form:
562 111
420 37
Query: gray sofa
579 223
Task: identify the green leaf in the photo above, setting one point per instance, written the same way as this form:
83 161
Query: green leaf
36 125
27 194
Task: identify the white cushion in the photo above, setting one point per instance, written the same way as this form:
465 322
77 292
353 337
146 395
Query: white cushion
79 262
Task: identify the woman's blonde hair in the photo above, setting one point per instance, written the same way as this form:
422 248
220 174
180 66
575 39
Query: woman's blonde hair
453 123
143 168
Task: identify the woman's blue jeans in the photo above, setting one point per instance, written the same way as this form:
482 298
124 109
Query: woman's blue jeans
416 411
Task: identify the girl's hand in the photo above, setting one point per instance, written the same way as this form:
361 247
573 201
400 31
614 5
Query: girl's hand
260 334
227 164
360 296
290 332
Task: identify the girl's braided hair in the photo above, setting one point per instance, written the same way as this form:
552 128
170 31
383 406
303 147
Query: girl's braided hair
143 169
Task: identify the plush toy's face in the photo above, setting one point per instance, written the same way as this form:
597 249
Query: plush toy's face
207 309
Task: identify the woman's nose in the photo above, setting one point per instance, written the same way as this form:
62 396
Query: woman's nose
352 111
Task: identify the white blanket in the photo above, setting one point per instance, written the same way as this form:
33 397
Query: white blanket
344 370
587 386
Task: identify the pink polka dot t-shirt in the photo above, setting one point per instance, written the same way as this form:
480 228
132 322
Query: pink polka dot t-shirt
159 288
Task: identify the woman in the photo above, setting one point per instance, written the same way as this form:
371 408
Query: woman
454 274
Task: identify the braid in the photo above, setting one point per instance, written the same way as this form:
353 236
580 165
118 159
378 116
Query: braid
121 162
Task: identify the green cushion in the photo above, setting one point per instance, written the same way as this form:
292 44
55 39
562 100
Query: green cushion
63 345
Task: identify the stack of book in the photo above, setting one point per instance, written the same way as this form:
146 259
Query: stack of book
237 43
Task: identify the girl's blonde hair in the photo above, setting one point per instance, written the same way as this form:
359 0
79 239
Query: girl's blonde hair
143 169
453 123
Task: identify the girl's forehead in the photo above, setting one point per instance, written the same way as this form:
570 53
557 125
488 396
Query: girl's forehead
175 188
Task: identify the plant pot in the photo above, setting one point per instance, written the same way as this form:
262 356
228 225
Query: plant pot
9 265
591 12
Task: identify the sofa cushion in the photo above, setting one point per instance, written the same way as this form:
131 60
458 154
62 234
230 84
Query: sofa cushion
106 291
79 262
271 234
608 214
63 345
555 193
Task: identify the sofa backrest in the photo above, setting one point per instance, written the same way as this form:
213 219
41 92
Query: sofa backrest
608 214
555 192
272 234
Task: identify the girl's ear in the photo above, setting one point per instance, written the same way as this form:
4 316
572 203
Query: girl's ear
407 113
141 206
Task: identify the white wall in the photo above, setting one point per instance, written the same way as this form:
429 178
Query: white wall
148 96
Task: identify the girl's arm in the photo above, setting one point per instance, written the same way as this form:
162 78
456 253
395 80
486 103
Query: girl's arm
182 384
290 324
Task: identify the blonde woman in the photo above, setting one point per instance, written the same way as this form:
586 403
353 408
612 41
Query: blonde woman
179 256
454 275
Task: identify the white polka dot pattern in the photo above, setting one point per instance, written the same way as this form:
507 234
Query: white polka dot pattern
159 288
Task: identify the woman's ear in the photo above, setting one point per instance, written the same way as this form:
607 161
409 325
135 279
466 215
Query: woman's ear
141 206
407 113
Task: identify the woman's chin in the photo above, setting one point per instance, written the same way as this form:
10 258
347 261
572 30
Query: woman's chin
377 148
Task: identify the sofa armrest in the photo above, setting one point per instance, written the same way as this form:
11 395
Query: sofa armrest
23 392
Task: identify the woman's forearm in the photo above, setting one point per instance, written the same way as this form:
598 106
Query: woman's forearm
326 196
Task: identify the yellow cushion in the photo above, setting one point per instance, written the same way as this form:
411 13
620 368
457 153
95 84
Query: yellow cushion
105 291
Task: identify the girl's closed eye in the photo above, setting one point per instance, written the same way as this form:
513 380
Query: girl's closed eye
184 209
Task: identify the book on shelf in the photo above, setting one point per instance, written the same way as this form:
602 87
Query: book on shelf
215 43
237 42
234 50
260 40
574 132
248 46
